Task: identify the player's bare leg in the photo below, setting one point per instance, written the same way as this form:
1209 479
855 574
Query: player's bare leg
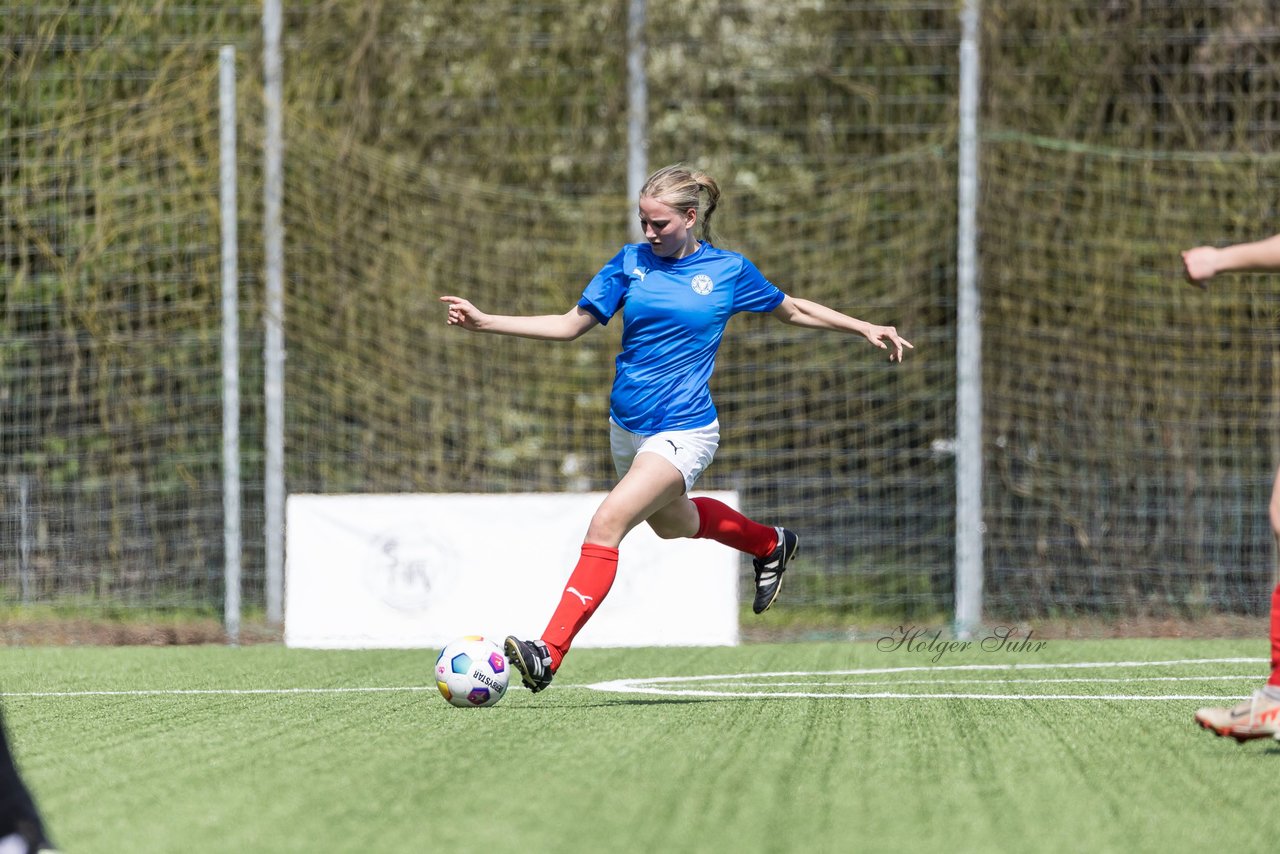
651 484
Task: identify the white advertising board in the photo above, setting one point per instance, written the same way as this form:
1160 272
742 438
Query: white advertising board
416 571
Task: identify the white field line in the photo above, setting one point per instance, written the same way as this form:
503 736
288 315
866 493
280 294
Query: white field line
947 668
1242 677
889 695
664 685
231 692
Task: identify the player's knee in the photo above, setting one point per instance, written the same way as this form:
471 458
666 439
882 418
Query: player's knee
606 528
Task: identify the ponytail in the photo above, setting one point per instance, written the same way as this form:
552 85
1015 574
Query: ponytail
708 185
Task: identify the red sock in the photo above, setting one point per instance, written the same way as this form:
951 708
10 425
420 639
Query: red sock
588 584
1275 637
720 522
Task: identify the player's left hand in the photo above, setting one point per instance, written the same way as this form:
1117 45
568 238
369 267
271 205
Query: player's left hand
1200 264
886 338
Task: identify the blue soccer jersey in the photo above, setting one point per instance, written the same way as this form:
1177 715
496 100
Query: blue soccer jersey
675 315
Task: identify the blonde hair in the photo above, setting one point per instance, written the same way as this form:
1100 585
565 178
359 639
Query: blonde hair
682 188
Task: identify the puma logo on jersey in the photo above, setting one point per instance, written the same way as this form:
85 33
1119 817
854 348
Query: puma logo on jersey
640 273
575 592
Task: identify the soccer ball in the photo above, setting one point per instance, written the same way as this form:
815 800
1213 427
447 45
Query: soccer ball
472 671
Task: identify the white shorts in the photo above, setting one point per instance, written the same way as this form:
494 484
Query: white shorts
690 451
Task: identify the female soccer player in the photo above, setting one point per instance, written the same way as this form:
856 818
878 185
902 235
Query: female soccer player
676 291
1259 716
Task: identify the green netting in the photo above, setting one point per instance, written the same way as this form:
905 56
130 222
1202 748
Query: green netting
1129 417
111 377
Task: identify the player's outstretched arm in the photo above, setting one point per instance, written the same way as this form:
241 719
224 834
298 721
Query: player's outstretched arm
546 327
812 315
1204 262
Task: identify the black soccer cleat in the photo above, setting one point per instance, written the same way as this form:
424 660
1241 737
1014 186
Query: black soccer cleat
533 661
769 569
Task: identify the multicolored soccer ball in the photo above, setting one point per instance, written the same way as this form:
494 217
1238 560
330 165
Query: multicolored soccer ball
472 671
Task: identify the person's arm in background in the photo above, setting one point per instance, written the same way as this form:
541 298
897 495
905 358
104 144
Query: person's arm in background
1204 262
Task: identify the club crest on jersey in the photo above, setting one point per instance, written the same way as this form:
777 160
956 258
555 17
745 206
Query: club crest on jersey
702 284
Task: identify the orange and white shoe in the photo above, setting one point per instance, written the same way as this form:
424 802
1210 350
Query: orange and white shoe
1256 717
